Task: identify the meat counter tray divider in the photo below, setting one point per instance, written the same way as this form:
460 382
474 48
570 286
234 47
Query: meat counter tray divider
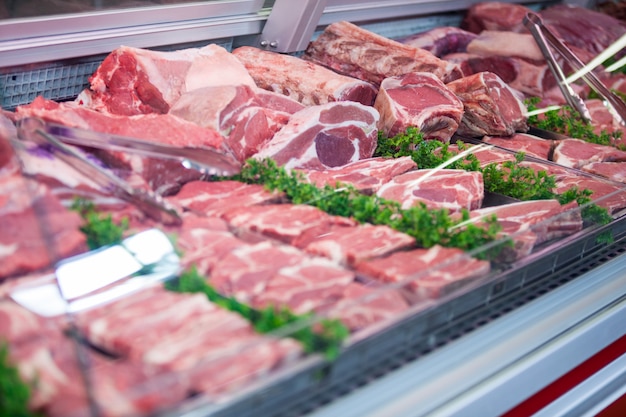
315 381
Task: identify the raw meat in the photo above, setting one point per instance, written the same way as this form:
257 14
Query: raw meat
603 121
495 15
485 154
421 100
325 136
134 81
575 153
303 81
491 107
18 324
426 273
294 224
37 230
450 189
440 41
522 142
607 195
366 175
523 76
359 53
237 113
506 43
351 245
615 171
216 198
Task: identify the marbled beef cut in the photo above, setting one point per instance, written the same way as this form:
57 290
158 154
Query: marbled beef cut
491 106
615 171
425 273
522 142
357 52
440 41
303 81
324 136
134 81
450 189
575 153
604 194
421 100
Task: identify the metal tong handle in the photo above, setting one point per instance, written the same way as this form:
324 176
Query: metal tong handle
153 205
544 37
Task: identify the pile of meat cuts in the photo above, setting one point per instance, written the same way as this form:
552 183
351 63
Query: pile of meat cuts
319 115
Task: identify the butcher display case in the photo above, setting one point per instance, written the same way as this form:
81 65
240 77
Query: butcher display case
540 333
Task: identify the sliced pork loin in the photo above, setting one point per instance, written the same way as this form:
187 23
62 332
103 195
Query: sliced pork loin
440 41
359 53
491 106
238 113
493 15
450 189
134 81
523 142
575 153
324 136
303 81
366 175
526 77
425 273
421 100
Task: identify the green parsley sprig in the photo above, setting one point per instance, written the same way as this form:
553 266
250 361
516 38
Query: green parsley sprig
14 393
100 229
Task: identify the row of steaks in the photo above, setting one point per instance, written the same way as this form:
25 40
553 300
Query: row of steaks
320 116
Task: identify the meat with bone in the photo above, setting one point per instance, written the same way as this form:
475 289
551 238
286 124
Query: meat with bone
215 198
236 112
449 189
575 153
604 194
366 175
615 171
491 106
495 15
37 230
133 81
418 99
425 273
440 41
294 224
351 245
359 53
324 136
522 142
523 76
303 81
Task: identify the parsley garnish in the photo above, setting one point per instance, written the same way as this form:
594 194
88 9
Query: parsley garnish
100 229
14 393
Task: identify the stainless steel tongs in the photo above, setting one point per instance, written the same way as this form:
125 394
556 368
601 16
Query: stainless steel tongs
545 40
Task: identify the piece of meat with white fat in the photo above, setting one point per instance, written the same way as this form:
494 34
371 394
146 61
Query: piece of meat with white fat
420 100
449 189
615 171
522 142
506 43
491 107
440 41
575 153
237 113
485 154
366 175
351 245
425 273
360 53
303 81
495 15
133 81
604 194
324 136
294 224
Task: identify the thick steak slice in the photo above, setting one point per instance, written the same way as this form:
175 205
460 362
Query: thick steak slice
359 53
607 195
575 153
451 189
303 81
138 81
418 99
493 15
485 154
491 106
325 136
350 245
288 223
615 171
523 142
366 175
426 273
440 41
237 113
